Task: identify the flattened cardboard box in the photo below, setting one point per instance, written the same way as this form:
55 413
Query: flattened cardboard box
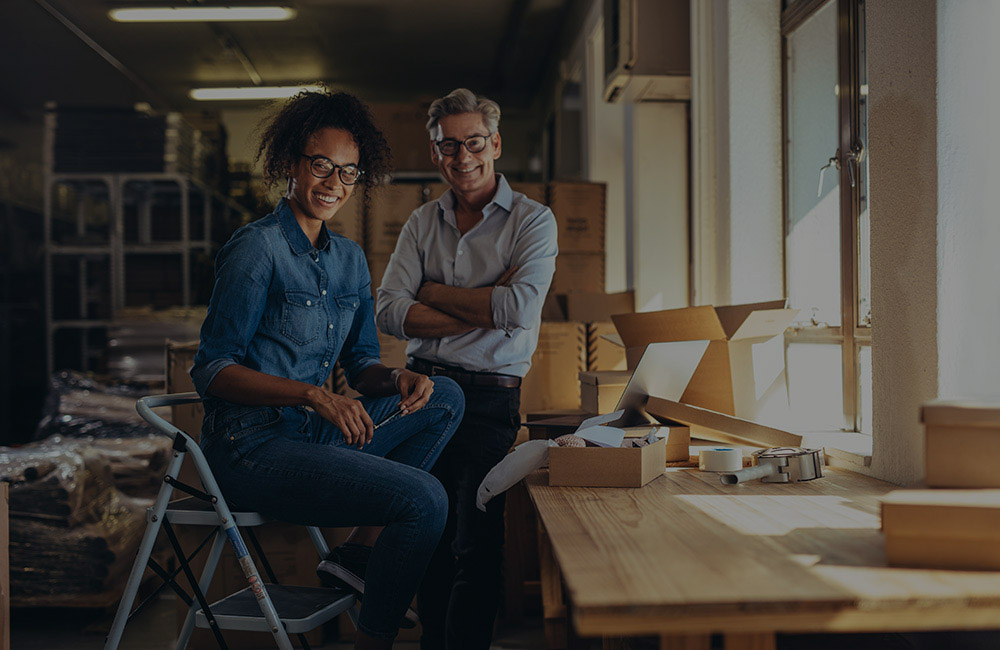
391 207
606 466
942 529
743 369
578 272
551 382
579 211
953 429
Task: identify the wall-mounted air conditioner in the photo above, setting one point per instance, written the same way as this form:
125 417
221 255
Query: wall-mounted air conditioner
647 50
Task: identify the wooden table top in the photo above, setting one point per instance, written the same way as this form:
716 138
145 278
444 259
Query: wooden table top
686 554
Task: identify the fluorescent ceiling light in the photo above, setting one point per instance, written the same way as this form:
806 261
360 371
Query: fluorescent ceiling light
248 92
199 14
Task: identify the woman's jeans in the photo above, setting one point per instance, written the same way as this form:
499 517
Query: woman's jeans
292 465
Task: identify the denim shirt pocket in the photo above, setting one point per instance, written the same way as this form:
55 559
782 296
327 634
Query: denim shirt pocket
301 313
347 305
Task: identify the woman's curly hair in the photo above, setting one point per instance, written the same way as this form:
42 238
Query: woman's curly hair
285 134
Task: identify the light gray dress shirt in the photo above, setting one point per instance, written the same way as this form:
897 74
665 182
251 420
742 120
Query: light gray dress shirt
514 231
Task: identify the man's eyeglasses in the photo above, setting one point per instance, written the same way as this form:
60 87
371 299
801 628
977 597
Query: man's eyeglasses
473 144
323 167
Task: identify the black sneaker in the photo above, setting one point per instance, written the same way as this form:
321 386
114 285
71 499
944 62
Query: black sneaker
345 566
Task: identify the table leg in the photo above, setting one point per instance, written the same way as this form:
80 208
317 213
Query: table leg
553 606
763 641
686 642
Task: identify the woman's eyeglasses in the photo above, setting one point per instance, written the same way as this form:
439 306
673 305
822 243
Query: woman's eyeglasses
323 167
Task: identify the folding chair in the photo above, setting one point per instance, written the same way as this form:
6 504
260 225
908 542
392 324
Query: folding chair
278 609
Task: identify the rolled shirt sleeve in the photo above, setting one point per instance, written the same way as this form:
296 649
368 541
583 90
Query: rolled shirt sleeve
242 273
400 283
519 304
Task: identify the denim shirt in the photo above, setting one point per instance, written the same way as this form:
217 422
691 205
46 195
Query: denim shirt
282 307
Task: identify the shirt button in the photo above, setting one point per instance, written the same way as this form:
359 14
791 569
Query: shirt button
326 364
309 303
330 326
323 292
461 252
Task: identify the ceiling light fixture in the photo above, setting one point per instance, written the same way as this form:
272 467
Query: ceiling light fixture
248 92
200 14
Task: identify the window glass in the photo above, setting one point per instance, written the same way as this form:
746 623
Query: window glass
813 231
815 386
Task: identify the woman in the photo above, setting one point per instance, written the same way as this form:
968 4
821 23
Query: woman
290 300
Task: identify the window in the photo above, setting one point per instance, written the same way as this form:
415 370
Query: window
826 213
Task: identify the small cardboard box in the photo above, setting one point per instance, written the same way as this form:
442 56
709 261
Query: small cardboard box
942 529
601 390
602 354
579 211
552 382
962 443
606 466
744 366
578 272
391 207
676 438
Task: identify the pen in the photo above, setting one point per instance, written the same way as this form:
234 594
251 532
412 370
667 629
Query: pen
389 418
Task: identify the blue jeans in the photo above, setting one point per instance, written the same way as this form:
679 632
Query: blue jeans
294 466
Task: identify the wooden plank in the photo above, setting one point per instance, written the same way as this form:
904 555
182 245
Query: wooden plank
713 425
686 554
553 607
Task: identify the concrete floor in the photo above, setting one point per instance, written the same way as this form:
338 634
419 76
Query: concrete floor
156 629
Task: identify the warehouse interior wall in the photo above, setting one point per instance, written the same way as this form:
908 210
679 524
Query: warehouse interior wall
968 229
745 65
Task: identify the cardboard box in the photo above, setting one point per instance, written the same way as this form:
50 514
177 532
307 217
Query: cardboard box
962 443
579 210
534 191
180 358
578 272
377 262
601 390
942 529
393 351
349 220
602 354
552 382
743 369
676 438
606 466
391 207
404 127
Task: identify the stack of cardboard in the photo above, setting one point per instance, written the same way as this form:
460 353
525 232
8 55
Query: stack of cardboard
955 525
579 209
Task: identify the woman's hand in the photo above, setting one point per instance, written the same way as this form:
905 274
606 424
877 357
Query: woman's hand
348 414
414 389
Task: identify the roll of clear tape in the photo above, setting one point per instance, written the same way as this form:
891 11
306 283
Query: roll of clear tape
720 460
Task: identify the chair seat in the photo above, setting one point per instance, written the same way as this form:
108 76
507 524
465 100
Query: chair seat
196 512
300 608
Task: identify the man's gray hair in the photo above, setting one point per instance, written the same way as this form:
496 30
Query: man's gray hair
463 100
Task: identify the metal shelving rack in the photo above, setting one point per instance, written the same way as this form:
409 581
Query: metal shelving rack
114 249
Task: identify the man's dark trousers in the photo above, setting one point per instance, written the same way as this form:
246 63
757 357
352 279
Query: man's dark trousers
460 594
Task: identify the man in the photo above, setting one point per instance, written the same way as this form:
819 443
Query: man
465 286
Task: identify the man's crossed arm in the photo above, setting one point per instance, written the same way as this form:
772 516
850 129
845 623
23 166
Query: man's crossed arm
444 310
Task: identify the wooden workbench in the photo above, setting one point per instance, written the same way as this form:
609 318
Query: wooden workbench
685 556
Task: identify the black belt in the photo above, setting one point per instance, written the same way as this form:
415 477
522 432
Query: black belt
463 377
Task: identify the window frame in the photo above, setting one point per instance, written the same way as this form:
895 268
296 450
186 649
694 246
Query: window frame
849 335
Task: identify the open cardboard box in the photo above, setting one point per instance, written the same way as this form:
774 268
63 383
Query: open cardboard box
743 370
665 368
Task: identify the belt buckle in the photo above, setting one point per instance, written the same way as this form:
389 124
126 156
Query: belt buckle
437 370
